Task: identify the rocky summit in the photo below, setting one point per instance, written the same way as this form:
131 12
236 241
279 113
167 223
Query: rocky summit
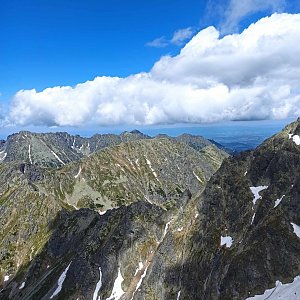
121 217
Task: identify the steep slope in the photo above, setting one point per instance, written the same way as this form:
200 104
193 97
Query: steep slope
25 214
93 249
157 171
245 237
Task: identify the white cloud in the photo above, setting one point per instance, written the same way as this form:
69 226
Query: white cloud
252 75
237 10
179 37
158 43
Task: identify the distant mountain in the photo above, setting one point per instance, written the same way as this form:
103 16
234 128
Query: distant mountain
57 149
154 218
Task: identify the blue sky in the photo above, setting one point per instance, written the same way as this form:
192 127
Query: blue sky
52 43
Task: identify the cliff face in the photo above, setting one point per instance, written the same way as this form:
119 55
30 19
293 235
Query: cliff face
246 238
154 219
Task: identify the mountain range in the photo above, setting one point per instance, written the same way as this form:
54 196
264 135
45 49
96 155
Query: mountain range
121 217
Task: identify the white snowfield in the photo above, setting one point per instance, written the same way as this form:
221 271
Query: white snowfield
2 156
198 178
79 171
56 156
98 286
253 217
141 279
29 153
288 291
152 170
60 281
22 285
296 231
295 138
227 241
117 291
256 190
165 230
277 202
140 267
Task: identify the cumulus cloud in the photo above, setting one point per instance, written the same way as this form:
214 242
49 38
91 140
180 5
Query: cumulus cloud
179 37
251 75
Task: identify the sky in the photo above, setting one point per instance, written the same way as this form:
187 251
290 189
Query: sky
111 63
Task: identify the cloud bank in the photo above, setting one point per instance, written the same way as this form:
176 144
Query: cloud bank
251 75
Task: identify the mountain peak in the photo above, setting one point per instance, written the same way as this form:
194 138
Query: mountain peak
135 131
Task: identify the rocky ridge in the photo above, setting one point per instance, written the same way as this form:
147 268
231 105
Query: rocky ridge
159 173
54 150
231 238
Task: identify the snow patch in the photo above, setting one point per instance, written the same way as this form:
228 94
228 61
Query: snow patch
296 229
29 154
22 285
98 286
117 291
73 146
290 291
101 213
3 157
165 231
6 278
140 267
140 281
180 229
60 281
55 155
178 295
150 166
245 173
277 202
198 178
196 216
256 190
227 241
295 138
253 217
78 173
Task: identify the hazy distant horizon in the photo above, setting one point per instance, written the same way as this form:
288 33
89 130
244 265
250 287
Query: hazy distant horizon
242 134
